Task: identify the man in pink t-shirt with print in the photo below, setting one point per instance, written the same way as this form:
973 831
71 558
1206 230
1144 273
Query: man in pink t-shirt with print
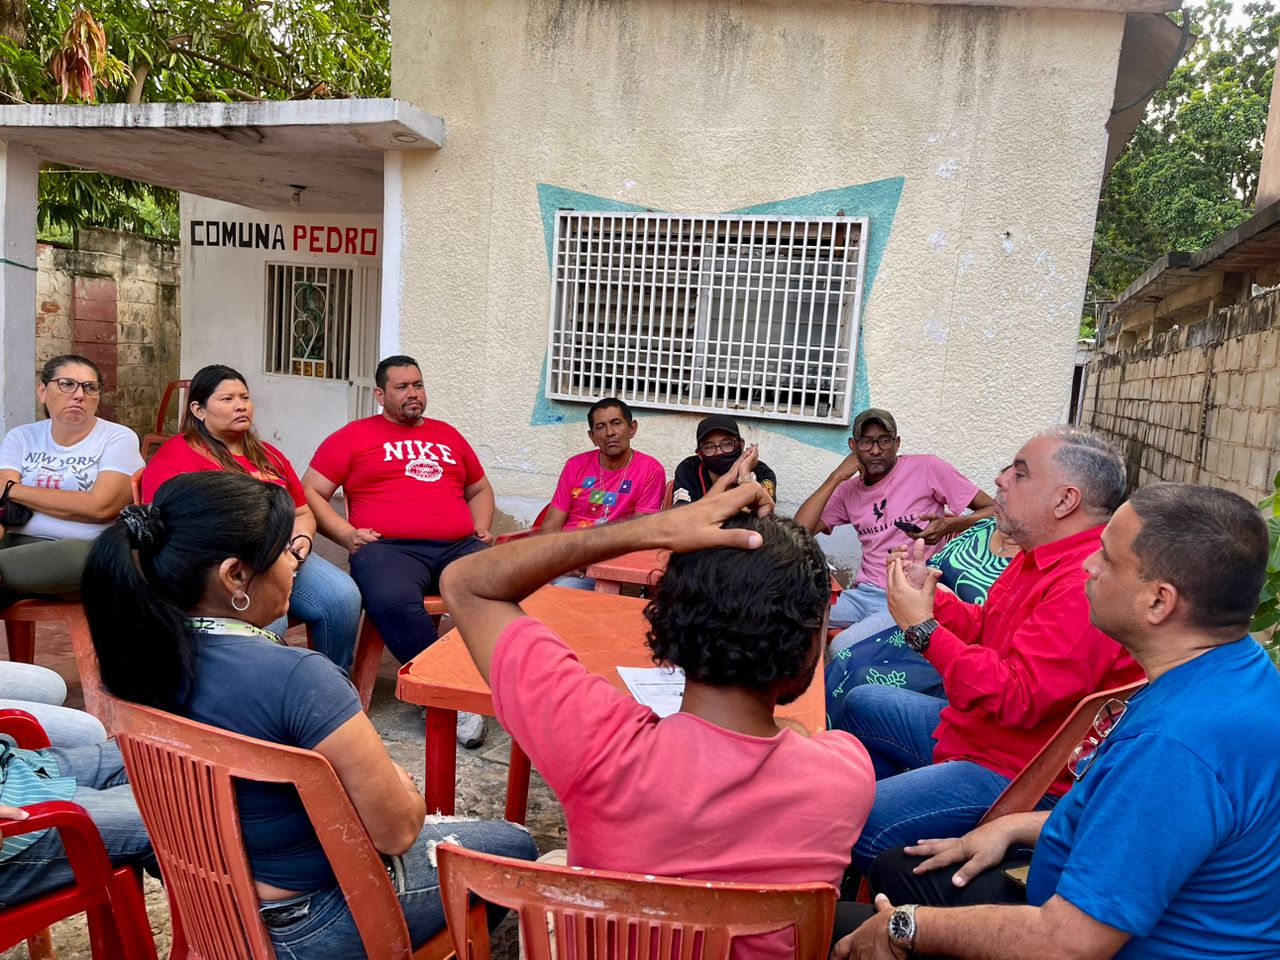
612 482
890 501
720 790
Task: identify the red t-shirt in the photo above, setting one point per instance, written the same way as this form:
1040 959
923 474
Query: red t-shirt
1015 667
679 797
176 456
404 482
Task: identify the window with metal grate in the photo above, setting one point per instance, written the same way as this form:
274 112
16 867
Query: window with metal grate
739 314
309 319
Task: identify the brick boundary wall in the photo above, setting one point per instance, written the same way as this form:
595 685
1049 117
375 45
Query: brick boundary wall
114 298
1197 404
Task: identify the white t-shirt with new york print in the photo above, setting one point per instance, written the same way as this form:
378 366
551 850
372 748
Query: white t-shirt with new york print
30 450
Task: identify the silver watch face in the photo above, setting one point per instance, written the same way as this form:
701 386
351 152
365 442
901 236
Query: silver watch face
902 927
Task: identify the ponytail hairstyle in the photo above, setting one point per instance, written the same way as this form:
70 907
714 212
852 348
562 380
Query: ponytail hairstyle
197 435
154 565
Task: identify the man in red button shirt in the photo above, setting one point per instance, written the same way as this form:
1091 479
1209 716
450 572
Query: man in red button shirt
1012 669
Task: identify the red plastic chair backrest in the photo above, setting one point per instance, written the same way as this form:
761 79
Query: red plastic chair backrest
180 387
182 774
1035 779
72 614
603 915
668 493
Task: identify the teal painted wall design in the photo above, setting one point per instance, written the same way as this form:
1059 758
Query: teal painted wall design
877 201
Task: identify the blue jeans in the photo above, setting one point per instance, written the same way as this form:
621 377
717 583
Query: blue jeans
103 790
318 925
328 601
864 610
916 799
40 691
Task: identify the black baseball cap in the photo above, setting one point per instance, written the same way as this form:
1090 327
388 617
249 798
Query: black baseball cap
718 421
882 417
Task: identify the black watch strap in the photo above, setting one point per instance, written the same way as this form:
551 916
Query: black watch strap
917 636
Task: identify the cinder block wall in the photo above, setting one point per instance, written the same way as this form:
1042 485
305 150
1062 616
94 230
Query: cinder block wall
1197 404
113 298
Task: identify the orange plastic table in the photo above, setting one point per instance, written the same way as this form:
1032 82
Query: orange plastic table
604 631
639 566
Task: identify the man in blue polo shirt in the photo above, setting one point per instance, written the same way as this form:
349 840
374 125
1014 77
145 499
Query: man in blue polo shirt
1168 845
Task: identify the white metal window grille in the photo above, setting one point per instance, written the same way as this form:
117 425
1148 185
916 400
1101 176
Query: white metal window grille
309 320
738 314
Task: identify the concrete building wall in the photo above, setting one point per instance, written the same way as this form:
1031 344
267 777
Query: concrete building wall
224 308
989 121
1197 404
115 299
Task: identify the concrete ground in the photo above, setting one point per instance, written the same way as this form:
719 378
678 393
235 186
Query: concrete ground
482 784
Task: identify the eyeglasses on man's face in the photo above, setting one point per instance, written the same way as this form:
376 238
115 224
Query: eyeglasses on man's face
866 443
711 447
91 388
1104 723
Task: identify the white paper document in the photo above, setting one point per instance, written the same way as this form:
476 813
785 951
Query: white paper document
659 688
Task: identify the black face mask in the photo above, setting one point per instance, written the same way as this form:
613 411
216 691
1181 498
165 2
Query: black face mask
721 462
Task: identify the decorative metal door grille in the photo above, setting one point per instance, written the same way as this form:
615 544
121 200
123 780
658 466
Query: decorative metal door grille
737 314
309 313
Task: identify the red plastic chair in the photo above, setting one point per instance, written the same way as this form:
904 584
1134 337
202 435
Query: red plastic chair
600 915
183 775
110 898
152 441
1035 779
521 534
20 619
369 648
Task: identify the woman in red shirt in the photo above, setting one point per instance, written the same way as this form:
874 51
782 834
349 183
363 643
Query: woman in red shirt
217 434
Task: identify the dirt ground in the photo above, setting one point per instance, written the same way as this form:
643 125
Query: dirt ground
482 788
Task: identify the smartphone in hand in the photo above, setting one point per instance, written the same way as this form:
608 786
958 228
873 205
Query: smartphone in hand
906 526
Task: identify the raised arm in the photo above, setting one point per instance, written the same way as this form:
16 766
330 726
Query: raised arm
809 515
941 527
483 591
320 490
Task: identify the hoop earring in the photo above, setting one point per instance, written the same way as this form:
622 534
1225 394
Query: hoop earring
235 606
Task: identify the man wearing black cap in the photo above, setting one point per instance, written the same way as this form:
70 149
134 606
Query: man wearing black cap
720 461
889 500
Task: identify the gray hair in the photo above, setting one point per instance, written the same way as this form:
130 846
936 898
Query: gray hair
1092 465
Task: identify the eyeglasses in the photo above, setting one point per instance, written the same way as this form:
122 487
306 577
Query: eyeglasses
710 448
91 388
866 443
1104 724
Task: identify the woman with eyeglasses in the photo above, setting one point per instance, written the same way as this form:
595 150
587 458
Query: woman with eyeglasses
64 479
217 434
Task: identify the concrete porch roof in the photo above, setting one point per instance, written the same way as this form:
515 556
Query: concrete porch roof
255 154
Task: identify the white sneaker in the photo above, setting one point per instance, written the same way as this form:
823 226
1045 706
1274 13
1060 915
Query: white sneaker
471 729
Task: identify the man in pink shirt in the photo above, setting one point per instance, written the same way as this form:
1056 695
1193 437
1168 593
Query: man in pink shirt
719 790
889 500
612 482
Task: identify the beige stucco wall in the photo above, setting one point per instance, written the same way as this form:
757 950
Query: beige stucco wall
994 117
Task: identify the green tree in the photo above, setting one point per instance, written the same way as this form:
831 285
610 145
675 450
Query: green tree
1191 171
178 50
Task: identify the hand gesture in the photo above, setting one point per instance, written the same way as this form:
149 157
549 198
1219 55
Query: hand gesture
12 813
871 940
746 462
910 604
484 536
940 527
359 536
912 562
979 849
849 468
699 525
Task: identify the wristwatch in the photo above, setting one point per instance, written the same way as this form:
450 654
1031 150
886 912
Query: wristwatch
902 927
917 637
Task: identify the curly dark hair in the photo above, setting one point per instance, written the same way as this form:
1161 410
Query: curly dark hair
739 618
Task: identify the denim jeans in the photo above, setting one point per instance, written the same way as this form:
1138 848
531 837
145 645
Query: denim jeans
574 583
916 799
103 790
318 925
328 601
864 611
40 691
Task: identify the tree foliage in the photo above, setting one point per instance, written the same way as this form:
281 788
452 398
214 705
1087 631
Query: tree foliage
135 51
1191 171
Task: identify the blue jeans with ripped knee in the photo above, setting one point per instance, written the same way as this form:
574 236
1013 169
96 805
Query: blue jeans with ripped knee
318 925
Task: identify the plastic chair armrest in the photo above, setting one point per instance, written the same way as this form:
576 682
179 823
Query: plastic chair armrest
517 535
80 838
24 728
